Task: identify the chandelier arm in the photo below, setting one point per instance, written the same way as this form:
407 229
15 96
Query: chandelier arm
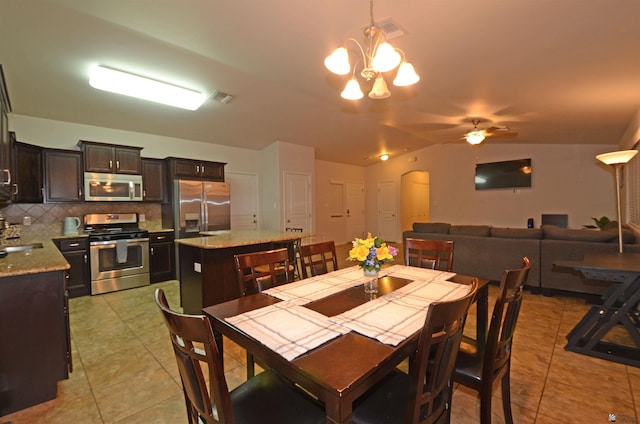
359 46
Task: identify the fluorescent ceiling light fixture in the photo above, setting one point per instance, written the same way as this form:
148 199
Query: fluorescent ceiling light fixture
143 88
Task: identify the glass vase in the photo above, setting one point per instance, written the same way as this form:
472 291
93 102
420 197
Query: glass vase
371 281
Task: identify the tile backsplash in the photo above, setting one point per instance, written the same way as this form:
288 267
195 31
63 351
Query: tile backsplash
47 217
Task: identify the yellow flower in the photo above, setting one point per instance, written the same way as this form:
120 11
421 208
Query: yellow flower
359 253
382 253
368 242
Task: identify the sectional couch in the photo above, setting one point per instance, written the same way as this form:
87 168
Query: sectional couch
485 251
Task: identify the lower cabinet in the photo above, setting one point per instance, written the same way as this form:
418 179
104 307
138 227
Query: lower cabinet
35 352
76 252
161 256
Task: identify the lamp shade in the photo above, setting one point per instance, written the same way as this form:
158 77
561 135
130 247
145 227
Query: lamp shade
475 137
338 61
406 75
352 90
613 158
386 58
379 90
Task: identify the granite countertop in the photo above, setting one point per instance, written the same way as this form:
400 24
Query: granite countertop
234 238
33 261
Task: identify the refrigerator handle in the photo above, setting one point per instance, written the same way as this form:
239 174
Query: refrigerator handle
205 212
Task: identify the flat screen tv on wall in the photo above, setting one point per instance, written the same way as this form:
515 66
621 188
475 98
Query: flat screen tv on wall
506 174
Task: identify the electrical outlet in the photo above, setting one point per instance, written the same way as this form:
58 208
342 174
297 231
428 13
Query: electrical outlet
26 220
141 217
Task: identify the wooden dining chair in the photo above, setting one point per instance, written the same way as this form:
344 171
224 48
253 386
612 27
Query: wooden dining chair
434 254
259 271
265 398
480 364
315 258
424 394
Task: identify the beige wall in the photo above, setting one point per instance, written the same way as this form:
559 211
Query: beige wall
566 179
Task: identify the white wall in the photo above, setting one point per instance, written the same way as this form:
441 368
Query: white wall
566 179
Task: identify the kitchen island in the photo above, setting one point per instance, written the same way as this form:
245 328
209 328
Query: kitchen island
207 269
35 352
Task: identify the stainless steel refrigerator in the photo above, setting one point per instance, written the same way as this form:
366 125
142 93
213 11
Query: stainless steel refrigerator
200 206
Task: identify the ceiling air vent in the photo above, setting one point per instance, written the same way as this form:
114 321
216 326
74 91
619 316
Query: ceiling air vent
221 97
390 29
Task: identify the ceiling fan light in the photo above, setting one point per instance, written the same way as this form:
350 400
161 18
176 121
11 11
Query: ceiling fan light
386 58
352 90
338 61
379 90
475 137
406 75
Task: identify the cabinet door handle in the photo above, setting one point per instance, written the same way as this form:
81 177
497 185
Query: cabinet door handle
110 164
197 169
203 169
152 250
85 258
117 164
8 174
15 189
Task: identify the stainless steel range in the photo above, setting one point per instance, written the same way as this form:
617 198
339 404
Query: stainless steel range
119 252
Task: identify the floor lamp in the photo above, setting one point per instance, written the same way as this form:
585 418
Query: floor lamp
617 159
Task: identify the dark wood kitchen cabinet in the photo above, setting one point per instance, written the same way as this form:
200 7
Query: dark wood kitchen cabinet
161 256
76 251
154 184
5 142
27 173
195 169
111 158
62 175
35 352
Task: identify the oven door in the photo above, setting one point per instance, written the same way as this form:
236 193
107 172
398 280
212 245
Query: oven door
110 261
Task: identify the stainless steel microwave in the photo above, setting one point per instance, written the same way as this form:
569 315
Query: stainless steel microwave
112 187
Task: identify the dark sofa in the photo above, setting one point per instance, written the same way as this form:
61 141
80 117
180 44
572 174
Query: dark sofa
485 252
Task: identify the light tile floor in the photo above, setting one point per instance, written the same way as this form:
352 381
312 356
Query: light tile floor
124 370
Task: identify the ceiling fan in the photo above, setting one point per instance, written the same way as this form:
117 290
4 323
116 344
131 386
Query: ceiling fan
477 136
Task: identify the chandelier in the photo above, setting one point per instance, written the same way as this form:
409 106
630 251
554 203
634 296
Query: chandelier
476 136
377 58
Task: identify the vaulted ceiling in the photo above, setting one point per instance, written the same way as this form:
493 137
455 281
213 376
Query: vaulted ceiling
554 71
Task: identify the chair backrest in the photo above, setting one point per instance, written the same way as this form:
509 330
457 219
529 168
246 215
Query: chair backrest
193 345
314 258
259 271
435 360
503 322
434 254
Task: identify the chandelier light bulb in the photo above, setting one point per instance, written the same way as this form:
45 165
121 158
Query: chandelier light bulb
338 61
406 75
379 90
386 58
352 90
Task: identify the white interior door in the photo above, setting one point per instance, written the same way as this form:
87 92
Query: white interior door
297 201
387 211
244 200
355 210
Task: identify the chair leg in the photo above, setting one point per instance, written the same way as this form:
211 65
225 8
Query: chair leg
250 366
485 403
506 396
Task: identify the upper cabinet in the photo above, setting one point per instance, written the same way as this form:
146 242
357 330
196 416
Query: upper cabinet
5 142
195 169
111 158
62 175
154 186
27 174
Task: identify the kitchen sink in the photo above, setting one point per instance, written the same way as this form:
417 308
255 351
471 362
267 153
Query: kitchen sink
21 247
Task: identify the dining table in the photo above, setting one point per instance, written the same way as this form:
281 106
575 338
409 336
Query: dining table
329 337
618 308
